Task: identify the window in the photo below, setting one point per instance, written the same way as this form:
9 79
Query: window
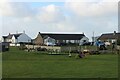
84 40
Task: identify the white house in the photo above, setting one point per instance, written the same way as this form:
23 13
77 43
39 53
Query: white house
83 40
49 41
15 39
1 39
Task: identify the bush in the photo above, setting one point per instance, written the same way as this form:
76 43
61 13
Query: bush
118 42
22 47
41 49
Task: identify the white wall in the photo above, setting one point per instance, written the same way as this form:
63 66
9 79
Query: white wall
113 40
49 41
1 39
13 39
12 44
82 40
24 38
10 40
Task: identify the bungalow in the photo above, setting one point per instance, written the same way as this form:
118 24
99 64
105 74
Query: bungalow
15 39
59 38
109 37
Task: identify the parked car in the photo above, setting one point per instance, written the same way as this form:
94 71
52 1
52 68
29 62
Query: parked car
98 43
101 45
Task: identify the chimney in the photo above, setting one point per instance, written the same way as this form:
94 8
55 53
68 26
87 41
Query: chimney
24 31
114 33
9 33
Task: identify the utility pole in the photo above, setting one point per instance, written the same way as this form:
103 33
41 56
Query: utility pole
93 37
115 35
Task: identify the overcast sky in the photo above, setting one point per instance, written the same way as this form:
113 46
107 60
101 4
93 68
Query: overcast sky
100 16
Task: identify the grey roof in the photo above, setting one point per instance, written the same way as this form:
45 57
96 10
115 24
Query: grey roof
17 35
4 37
10 36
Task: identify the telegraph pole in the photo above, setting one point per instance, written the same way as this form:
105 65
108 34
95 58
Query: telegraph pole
115 35
93 37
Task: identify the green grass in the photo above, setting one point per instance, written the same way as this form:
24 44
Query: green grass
22 64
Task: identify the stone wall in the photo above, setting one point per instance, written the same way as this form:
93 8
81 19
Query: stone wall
60 48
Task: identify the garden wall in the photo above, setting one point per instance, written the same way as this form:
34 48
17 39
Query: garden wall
60 48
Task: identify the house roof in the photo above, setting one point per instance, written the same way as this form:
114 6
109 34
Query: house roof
109 36
4 37
60 36
16 35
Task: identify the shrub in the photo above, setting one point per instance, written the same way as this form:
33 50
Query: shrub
22 47
118 42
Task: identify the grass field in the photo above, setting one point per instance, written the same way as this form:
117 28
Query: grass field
22 64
